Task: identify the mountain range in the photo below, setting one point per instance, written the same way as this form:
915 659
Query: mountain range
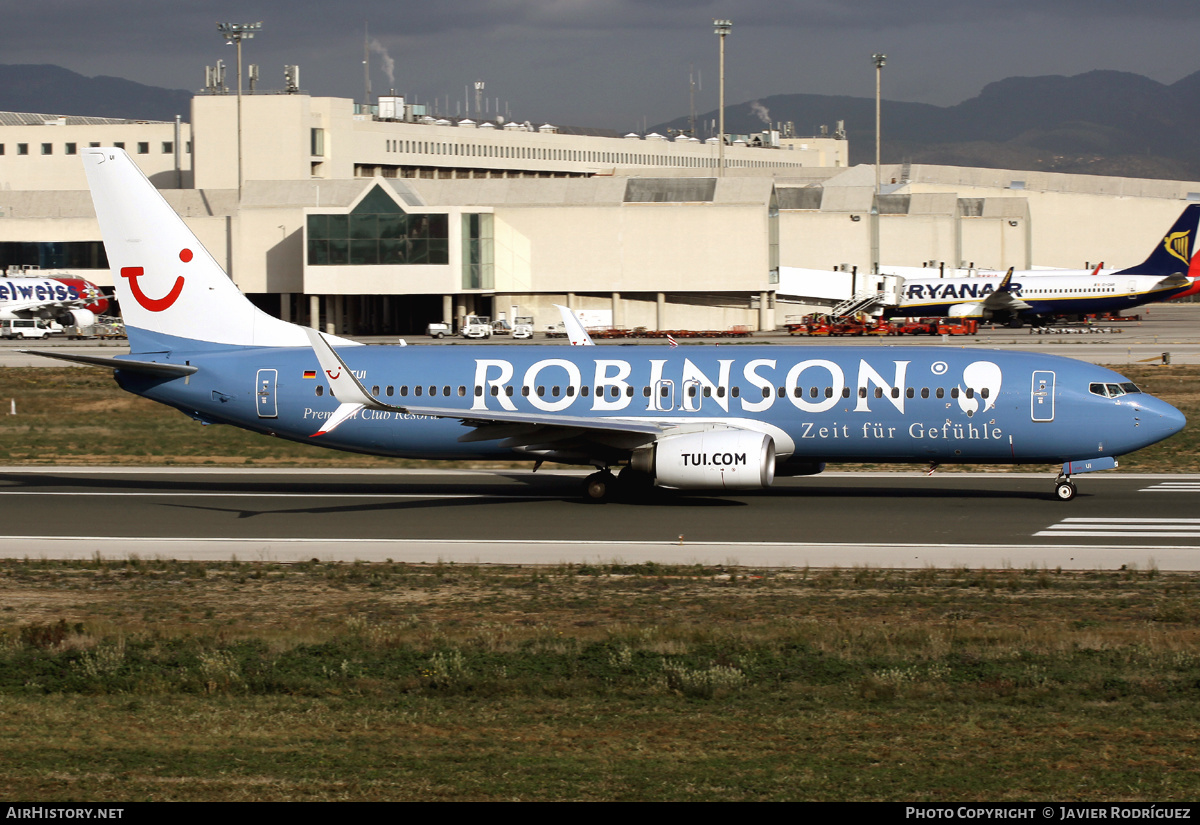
1100 122
53 90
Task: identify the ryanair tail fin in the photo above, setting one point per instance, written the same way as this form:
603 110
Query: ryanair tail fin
173 294
1173 254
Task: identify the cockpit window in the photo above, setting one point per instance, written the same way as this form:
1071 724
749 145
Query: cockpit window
1113 390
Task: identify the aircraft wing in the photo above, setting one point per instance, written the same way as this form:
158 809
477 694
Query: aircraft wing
31 305
516 428
1003 299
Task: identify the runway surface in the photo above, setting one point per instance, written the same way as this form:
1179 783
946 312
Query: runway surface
903 520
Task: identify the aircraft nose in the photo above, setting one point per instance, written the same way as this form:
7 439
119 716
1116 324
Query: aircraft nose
1158 419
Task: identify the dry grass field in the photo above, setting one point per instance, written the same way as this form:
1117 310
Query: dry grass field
157 680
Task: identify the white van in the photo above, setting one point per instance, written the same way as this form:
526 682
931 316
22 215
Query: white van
24 328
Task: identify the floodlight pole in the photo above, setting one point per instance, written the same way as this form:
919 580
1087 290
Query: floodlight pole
721 28
234 33
880 60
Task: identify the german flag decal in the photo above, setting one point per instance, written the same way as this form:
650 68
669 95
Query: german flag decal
310 373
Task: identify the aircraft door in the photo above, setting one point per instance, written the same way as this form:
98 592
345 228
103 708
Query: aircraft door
264 393
1042 396
664 395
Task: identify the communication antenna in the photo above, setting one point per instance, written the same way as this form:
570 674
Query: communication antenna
692 95
479 101
252 74
291 79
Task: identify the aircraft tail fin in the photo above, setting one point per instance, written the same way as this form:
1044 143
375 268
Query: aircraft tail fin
1173 254
173 294
577 334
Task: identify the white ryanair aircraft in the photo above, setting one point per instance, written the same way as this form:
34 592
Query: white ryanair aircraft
694 417
1015 297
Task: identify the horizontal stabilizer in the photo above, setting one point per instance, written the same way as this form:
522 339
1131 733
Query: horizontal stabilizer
147 367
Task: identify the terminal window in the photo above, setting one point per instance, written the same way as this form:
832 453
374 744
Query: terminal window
378 231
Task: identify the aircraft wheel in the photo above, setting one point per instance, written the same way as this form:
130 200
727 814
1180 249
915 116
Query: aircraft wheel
1064 491
599 486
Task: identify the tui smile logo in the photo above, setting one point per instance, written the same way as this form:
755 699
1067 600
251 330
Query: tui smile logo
154 304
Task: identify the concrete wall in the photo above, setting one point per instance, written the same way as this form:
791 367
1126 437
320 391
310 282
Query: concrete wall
59 171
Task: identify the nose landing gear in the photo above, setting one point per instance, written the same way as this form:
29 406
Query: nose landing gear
1064 489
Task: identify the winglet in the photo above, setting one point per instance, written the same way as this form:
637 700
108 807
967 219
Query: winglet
1004 284
345 386
575 331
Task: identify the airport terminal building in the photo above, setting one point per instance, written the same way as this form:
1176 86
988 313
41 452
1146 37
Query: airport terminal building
380 219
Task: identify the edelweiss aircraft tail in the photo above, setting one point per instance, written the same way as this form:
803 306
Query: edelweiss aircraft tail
174 295
1173 254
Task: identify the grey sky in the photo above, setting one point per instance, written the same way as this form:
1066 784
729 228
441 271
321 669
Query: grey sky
614 62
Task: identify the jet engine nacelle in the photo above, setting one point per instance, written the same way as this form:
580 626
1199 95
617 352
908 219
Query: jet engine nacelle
714 459
973 309
77 318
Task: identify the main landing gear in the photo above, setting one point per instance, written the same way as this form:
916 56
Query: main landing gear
599 486
604 486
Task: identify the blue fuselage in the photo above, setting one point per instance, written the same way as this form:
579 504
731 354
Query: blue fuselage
886 404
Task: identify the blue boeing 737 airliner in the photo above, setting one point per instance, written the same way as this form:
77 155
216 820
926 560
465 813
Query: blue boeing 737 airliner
695 417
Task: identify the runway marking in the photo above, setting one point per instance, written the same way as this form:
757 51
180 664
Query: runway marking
1173 487
1124 528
